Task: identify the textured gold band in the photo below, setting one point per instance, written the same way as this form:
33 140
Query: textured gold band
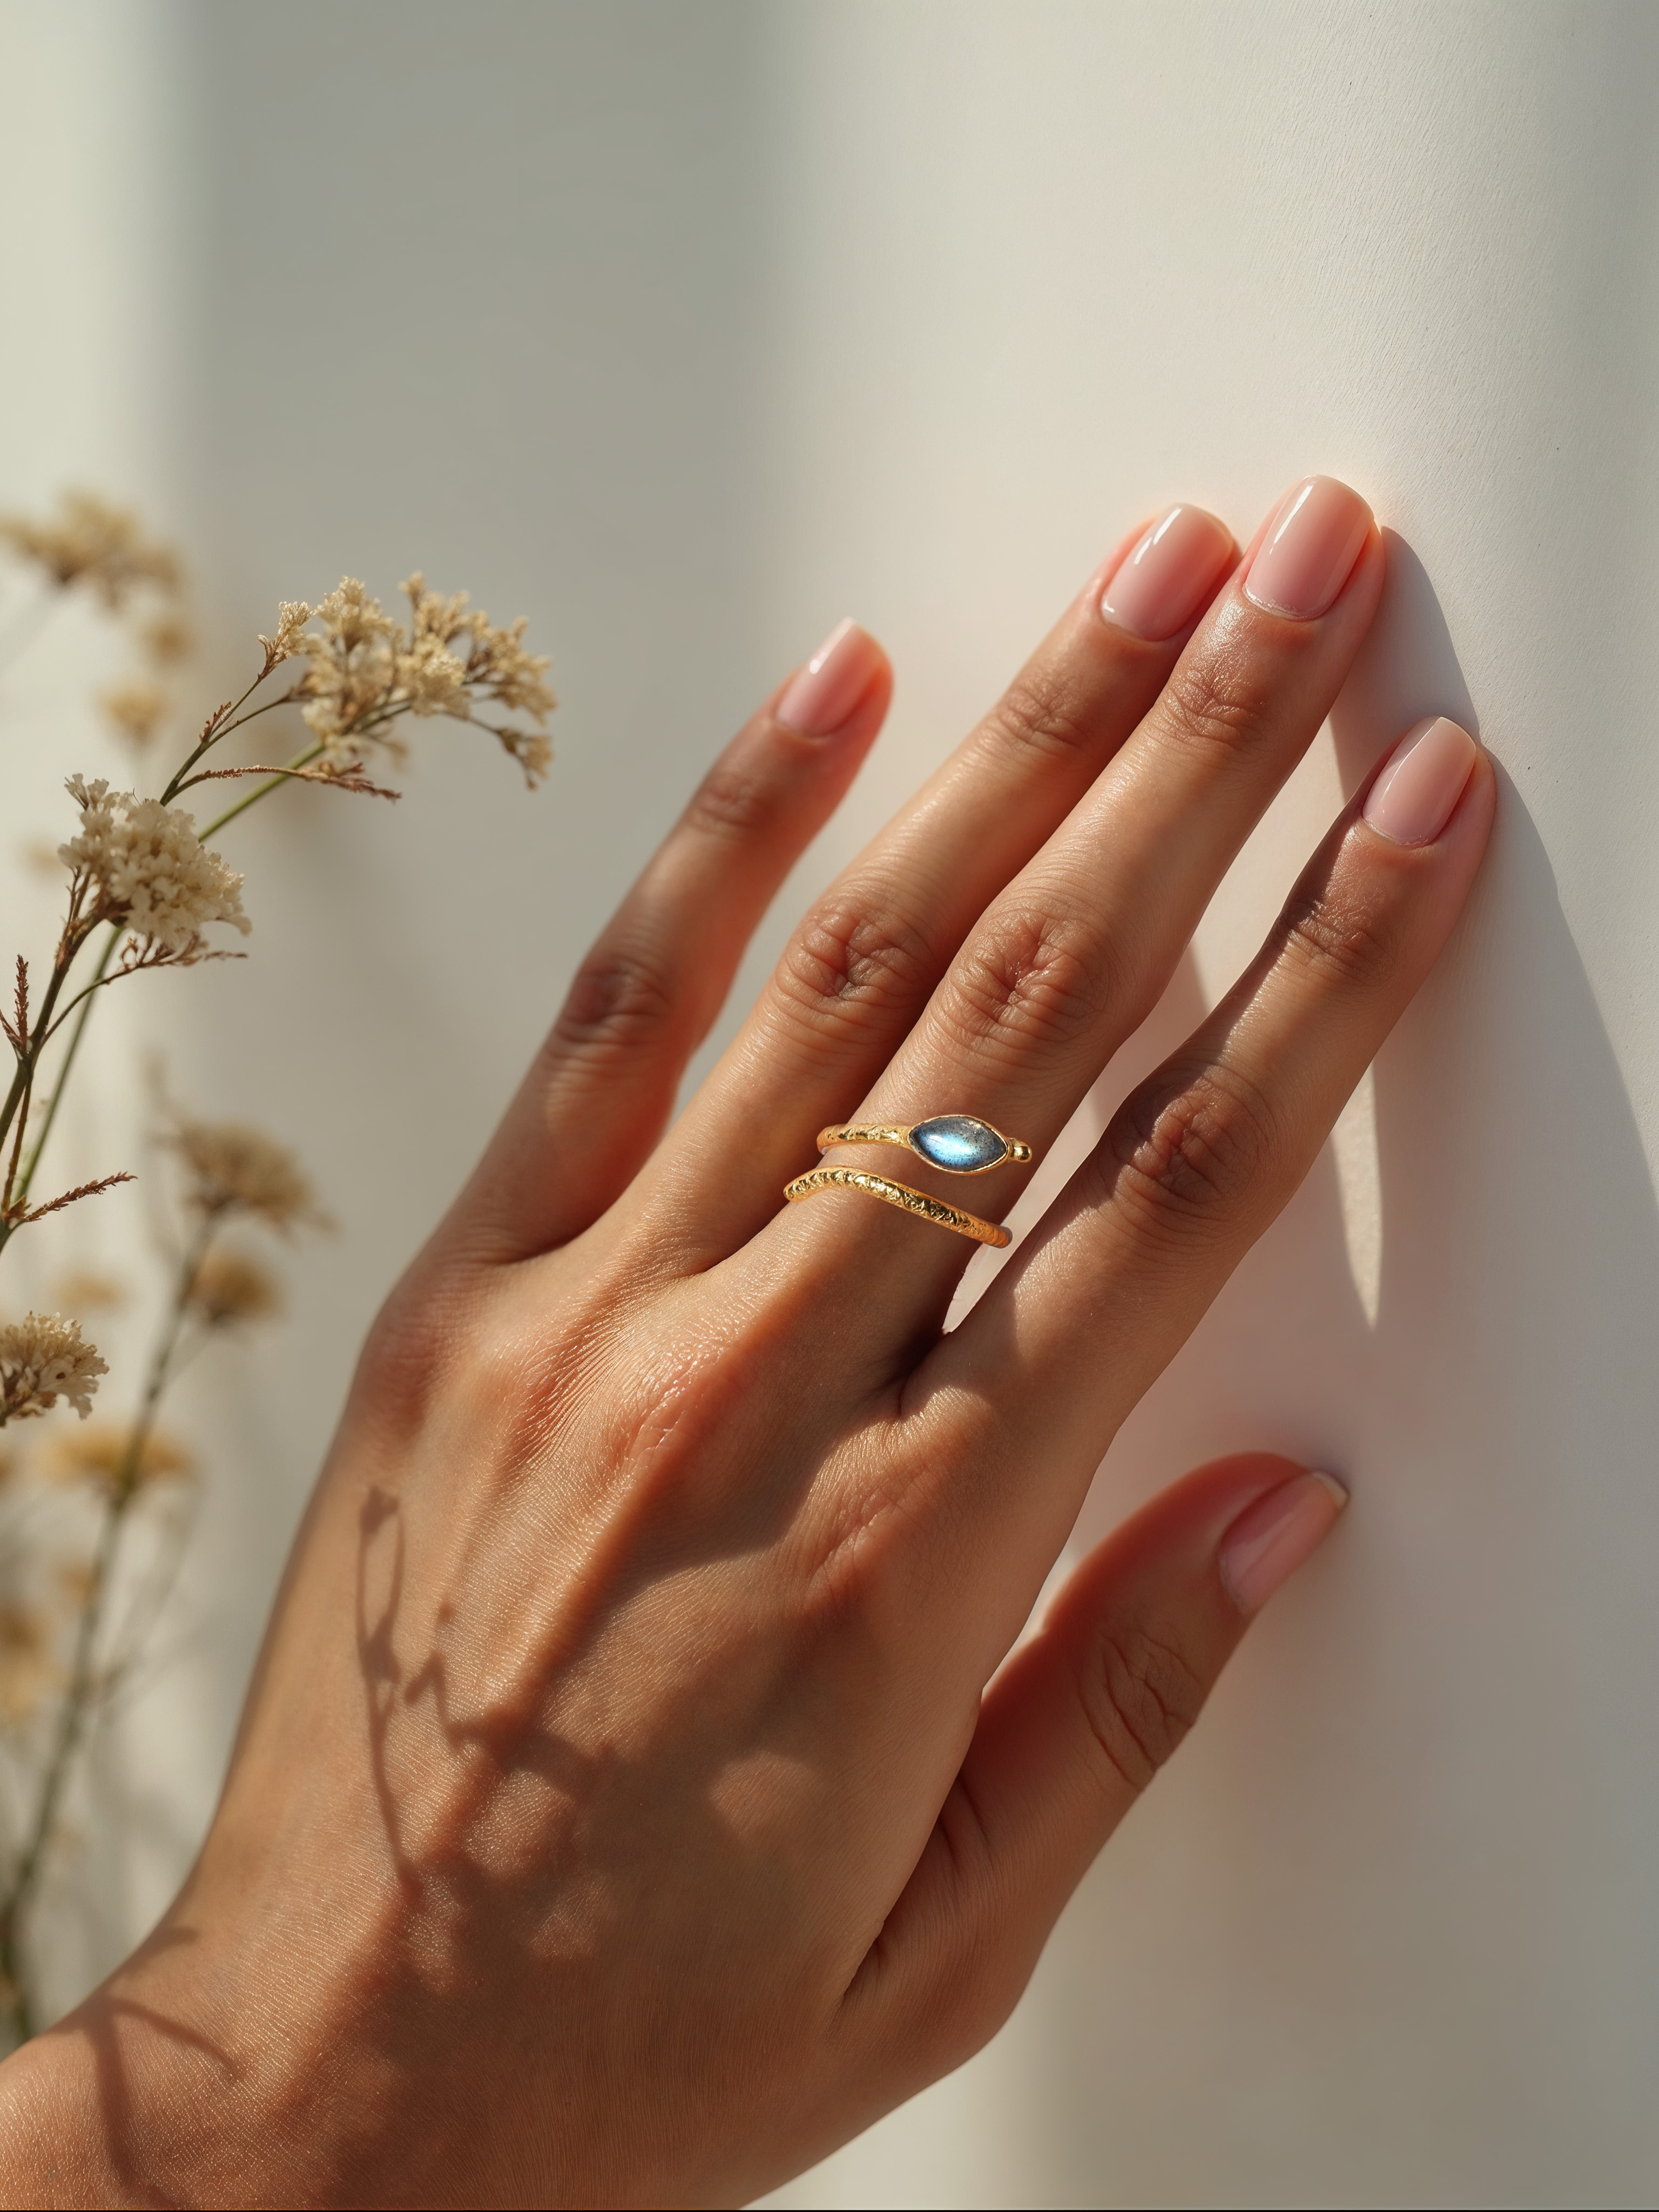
895 1194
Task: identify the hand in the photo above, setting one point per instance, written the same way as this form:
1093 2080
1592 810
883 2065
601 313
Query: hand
621 1814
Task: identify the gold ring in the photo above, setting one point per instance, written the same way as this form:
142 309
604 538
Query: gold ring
961 1144
900 1194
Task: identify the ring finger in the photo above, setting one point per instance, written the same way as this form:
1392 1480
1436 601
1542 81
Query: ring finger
1070 957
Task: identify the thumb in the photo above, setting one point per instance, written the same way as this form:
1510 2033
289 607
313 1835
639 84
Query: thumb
1072 1731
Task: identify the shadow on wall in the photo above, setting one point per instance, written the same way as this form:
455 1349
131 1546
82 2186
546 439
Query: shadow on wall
1518 1291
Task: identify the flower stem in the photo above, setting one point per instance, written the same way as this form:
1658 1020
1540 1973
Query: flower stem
80 1695
253 797
27 1174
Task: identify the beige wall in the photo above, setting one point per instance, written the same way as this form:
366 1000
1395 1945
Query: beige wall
685 331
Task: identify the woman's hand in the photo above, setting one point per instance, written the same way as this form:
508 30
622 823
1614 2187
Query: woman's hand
621 1814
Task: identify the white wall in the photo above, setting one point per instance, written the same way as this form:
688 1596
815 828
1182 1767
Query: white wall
685 331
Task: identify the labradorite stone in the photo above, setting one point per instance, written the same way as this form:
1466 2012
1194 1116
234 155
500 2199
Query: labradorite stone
959 1142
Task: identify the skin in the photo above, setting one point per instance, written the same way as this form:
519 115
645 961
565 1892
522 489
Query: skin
621 1814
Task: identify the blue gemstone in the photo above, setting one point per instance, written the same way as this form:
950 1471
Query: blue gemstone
959 1142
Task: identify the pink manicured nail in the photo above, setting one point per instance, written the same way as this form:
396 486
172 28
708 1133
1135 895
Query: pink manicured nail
1158 588
1308 553
832 682
1270 1540
1421 782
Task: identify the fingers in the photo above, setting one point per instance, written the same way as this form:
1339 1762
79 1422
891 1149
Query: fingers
1200 1158
1068 960
859 970
1070 1734
599 1092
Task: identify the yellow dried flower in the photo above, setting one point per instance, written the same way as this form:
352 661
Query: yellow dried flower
42 1359
98 1454
87 1290
95 543
230 1287
169 640
136 708
149 870
236 1168
75 1578
25 1660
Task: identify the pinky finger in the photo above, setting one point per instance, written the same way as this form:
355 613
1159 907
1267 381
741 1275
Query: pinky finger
603 1085
1069 1735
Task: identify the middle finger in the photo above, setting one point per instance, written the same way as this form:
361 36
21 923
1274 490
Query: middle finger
1070 958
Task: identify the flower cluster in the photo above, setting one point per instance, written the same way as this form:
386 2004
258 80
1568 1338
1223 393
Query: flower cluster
137 709
93 542
234 1167
230 1287
106 1455
25 1668
365 670
144 866
42 1359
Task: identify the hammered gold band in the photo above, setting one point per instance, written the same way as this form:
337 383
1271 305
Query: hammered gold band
895 1194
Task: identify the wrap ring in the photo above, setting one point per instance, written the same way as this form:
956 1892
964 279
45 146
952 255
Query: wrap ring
960 1144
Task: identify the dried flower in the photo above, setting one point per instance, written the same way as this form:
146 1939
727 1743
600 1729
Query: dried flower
87 1290
43 1359
101 1454
365 670
136 708
292 616
231 1286
95 543
148 869
235 1169
25 1660
169 640
77 1579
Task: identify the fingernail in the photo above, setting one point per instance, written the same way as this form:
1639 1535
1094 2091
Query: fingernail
832 682
1308 553
1412 800
1270 1540
1157 589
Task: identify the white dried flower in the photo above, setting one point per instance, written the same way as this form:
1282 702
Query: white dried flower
149 869
42 1359
292 616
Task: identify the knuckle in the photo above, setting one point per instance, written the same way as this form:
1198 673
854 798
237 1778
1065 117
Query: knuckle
1026 980
1210 704
1185 1159
1330 939
1040 712
1140 1698
850 965
735 803
621 994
